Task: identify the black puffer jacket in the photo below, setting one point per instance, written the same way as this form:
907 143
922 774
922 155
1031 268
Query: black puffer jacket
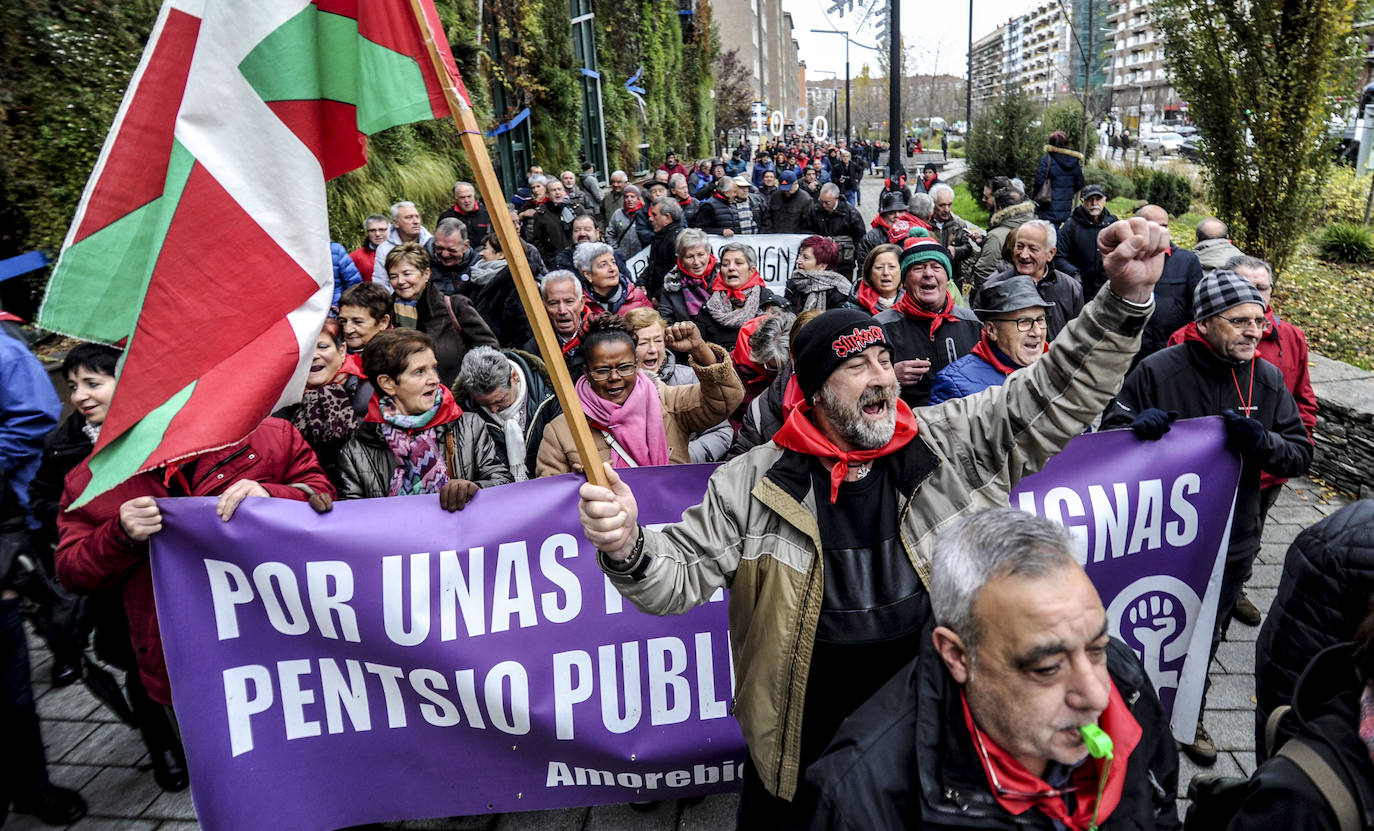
906 760
63 449
717 215
1326 714
1173 299
1328 578
1064 170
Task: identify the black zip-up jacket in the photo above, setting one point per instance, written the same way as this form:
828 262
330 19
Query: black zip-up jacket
541 407
1194 381
1078 252
906 760
717 215
911 339
1326 712
1328 578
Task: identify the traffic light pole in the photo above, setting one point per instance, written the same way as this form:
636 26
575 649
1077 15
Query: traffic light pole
894 104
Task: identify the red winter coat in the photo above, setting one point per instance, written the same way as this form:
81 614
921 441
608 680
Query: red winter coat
1284 346
365 259
93 553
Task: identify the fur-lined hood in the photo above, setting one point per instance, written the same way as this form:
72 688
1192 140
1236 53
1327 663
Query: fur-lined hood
1049 148
1015 215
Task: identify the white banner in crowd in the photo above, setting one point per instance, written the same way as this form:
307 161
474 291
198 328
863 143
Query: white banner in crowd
776 255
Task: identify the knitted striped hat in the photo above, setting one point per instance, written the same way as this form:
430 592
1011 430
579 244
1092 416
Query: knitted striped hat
1221 290
920 247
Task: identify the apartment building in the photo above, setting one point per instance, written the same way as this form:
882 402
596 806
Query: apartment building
763 34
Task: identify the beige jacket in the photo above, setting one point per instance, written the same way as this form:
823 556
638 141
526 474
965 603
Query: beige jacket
686 409
756 532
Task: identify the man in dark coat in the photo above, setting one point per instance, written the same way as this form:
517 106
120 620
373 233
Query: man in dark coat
451 258
831 216
928 332
788 205
1078 252
717 214
1033 256
1173 292
511 391
1216 372
981 730
665 216
471 212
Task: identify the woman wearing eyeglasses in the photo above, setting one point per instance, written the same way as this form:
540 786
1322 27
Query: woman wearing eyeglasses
636 419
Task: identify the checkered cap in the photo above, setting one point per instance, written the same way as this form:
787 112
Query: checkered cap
1221 290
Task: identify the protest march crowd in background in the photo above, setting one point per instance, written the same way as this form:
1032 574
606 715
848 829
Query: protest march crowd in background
911 371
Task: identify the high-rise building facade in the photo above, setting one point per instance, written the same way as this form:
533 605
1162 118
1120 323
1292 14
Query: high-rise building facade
763 34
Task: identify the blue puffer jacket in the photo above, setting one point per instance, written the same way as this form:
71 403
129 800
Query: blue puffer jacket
963 378
345 272
1064 169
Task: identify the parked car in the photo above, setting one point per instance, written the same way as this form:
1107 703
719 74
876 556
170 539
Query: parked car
1186 130
1188 148
1165 143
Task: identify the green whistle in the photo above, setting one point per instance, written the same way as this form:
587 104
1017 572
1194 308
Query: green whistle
1098 742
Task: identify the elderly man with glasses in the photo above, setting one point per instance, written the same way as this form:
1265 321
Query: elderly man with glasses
1216 371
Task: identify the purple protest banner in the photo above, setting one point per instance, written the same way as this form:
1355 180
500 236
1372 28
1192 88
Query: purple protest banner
390 660
1151 520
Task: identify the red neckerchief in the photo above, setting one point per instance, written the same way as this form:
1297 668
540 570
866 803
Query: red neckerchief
576 340
710 266
799 433
631 211
984 349
685 202
742 356
353 365
722 197
792 397
907 305
448 411
737 293
868 297
927 180
1021 790
8 316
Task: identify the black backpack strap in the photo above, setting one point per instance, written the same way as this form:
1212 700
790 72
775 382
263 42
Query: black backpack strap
1333 789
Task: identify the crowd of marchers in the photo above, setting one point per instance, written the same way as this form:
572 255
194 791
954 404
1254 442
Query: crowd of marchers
908 655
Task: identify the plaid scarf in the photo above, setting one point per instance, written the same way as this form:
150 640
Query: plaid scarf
421 467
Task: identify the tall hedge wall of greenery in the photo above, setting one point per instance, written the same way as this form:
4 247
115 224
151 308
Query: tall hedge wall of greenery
64 67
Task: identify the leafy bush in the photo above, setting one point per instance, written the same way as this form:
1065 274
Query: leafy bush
1005 141
1115 184
1343 198
1068 116
1346 243
1170 191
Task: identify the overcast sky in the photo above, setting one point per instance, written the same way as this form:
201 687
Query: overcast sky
938 33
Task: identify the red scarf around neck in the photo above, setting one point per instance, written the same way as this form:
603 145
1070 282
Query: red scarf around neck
448 411
908 306
868 297
801 434
737 293
985 350
710 266
1021 790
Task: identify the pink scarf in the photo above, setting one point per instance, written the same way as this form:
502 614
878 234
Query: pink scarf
637 425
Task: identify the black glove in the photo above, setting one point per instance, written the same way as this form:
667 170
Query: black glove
1153 423
1243 434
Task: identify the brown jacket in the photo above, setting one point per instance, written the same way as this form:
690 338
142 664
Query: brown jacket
686 410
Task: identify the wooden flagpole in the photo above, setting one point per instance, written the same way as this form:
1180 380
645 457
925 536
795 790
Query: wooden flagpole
549 348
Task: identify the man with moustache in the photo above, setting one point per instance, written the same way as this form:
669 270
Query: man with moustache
1078 239
1215 371
858 481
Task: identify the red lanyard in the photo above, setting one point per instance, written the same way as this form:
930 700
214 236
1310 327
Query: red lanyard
1250 389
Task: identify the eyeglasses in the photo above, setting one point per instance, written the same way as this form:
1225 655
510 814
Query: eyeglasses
1024 324
1262 323
601 373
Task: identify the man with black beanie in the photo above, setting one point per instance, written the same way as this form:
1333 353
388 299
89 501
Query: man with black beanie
824 534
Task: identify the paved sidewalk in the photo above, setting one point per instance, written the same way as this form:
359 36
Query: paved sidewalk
89 750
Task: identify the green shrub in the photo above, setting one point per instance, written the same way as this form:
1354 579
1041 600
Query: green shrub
1343 198
1346 243
1004 141
1115 184
1170 191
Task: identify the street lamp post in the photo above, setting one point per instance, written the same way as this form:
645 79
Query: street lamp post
847 134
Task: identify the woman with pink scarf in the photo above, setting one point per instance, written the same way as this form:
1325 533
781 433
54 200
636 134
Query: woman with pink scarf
636 419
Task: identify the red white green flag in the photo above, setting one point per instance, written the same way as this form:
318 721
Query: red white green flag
203 234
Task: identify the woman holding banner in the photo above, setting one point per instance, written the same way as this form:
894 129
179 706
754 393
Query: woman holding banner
738 295
415 438
644 421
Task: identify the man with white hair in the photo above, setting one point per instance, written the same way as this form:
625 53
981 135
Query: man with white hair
957 235
614 197
405 227
511 391
989 726
859 481
1033 256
